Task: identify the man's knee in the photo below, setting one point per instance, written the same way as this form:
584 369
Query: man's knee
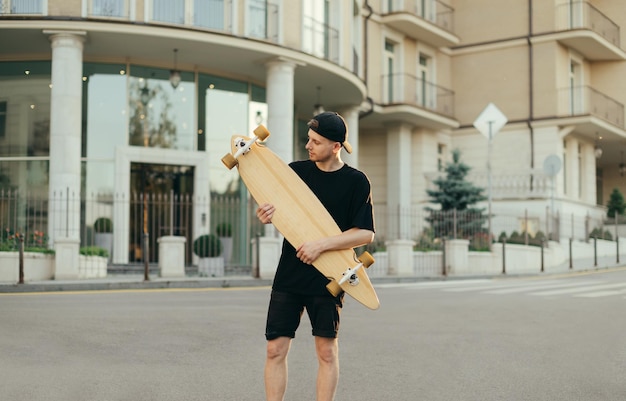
278 348
327 349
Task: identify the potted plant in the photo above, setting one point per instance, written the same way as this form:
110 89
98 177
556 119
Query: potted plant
225 232
208 248
103 238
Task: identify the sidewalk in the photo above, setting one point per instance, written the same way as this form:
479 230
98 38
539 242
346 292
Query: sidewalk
136 282
133 282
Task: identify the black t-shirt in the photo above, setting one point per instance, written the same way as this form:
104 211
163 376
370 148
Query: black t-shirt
346 194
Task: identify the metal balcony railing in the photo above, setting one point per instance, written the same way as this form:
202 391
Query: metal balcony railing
320 40
412 90
108 8
208 14
436 12
21 7
584 100
583 15
263 22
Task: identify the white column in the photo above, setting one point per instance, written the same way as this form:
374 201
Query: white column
400 243
572 168
280 87
65 149
399 179
351 116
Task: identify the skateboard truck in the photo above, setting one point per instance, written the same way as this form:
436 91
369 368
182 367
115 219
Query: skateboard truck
230 160
350 275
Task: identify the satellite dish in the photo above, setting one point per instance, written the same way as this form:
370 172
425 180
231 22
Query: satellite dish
552 165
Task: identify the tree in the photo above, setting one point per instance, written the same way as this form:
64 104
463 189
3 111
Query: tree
616 203
456 195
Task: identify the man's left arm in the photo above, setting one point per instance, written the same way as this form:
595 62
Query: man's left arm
352 238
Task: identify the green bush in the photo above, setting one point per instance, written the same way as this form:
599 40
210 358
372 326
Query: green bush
224 230
207 246
103 225
94 251
597 233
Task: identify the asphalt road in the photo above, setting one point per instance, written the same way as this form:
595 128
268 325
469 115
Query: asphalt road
544 338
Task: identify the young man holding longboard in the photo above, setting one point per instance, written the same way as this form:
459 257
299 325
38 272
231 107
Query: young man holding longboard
346 194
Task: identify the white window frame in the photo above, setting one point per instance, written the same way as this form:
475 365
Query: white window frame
576 86
398 62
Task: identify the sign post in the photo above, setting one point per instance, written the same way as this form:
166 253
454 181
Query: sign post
489 123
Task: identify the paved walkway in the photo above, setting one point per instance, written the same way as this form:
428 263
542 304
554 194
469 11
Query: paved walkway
132 281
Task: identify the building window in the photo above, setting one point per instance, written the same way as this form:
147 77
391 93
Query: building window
564 167
388 80
3 119
319 36
580 171
425 97
441 159
576 88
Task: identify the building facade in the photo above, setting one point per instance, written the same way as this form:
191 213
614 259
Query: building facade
102 99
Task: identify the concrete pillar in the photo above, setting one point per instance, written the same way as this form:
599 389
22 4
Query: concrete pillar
457 256
280 120
65 149
400 243
399 180
172 256
400 253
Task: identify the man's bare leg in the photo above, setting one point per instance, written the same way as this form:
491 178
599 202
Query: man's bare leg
328 371
276 368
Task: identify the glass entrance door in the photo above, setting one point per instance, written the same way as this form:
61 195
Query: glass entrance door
161 205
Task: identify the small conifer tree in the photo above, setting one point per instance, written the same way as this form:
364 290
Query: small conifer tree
456 193
616 203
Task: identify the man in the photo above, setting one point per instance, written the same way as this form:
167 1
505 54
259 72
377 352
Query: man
346 194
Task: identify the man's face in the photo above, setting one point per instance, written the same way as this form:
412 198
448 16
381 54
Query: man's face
320 148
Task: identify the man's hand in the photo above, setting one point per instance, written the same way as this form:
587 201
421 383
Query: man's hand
265 212
310 251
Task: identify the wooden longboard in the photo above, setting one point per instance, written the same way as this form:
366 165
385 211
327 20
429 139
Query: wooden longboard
299 215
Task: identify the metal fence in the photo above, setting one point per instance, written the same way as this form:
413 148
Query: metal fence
232 219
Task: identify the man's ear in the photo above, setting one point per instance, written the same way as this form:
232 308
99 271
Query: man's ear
337 147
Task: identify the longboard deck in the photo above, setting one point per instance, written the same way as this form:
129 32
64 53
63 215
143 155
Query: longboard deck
299 215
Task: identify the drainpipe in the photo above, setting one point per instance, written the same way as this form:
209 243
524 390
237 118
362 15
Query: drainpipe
365 55
530 90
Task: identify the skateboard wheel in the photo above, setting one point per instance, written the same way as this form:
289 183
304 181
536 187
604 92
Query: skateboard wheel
366 259
229 161
334 288
261 132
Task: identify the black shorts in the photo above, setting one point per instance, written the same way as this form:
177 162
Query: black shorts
285 311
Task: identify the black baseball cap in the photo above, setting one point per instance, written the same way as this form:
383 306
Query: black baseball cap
332 126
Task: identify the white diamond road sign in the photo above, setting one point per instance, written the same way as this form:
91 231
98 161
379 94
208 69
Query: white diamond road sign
490 121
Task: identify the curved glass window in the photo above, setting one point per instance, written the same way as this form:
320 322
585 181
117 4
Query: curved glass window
161 115
226 108
24 125
105 122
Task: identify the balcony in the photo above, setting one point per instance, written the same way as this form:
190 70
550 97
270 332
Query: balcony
214 15
320 40
584 28
114 9
585 101
409 98
21 7
428 21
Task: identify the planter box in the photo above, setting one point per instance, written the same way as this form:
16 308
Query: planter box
40 267
37 266
92 266
211 267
